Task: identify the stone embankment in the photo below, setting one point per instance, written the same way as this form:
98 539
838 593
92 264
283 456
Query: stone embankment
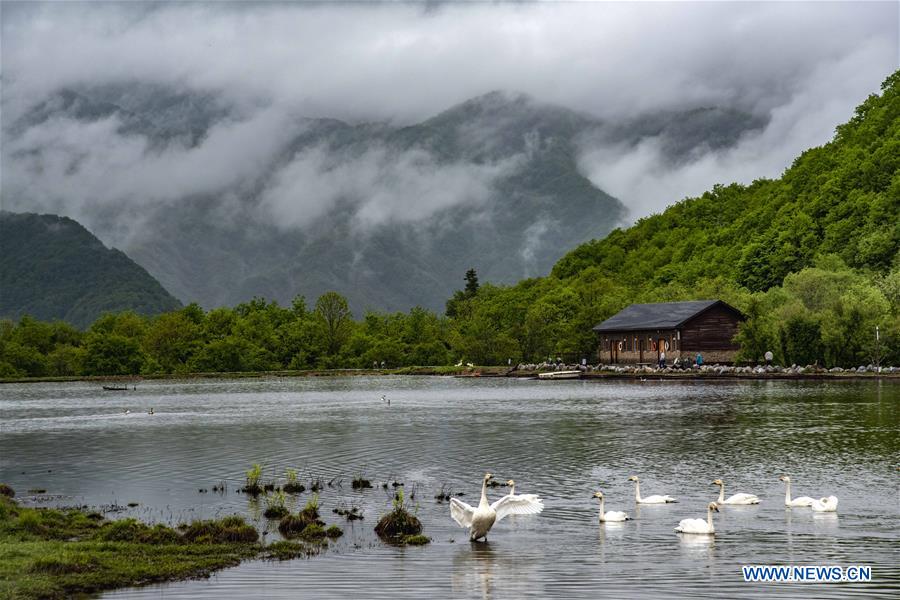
756 371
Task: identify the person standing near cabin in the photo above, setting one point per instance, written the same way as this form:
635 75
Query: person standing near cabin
662 359
699 360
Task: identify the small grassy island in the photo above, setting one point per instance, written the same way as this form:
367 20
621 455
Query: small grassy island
49 553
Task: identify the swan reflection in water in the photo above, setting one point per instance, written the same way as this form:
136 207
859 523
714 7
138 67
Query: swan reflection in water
473 570
697 547
487 570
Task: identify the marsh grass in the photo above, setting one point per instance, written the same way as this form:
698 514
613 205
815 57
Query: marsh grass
292 485
53 553
253 480
399 525
275 505
295 525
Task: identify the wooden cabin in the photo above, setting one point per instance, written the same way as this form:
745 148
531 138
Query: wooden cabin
641 332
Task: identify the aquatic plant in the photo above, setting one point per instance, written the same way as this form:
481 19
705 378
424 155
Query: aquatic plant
334 531
254 476
354 513
294 525
286 550
360 483
7 491
416 540
312 532
275 505
293 485
398 524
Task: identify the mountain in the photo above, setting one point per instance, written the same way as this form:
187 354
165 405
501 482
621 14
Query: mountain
389 216
813 259
53 268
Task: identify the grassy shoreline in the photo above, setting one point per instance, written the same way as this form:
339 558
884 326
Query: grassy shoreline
478 371
60 553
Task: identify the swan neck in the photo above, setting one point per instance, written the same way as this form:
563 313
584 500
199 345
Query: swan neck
787 492
722 493
709 522
484 500
601 508
637 491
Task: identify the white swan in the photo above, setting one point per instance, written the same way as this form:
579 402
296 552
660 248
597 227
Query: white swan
699 525
648 499
613 516
796 502
735 498
828 504
513 495
480 520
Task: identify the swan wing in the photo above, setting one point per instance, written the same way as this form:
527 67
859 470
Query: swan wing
692 526
742 499
828 504
802 501
520 504
461 512
657 499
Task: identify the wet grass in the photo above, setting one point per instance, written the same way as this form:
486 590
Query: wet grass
399 525
292 526
48 553
292 485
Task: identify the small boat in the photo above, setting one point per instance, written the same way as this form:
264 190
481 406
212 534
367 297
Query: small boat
115 388
560 375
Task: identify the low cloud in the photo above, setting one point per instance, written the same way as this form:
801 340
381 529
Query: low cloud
803 66
376 187
645 175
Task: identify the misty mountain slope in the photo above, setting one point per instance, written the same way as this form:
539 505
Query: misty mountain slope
53 268
226 203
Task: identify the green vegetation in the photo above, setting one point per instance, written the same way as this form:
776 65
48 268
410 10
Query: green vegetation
813 258
46 553
53 268
253 479
306 524
275 505
400 526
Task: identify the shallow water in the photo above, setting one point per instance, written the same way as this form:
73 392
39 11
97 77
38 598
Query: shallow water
561 439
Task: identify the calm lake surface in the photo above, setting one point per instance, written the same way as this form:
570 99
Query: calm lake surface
563 440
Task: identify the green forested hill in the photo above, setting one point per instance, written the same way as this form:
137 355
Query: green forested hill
812 257
842 198
53 268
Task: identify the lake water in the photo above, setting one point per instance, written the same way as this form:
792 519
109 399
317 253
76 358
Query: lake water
562 440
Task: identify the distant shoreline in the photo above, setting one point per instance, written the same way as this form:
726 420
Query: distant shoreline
473 372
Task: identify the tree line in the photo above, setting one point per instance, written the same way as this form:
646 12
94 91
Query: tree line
812 258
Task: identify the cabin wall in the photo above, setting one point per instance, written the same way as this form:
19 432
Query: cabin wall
711 331
632 347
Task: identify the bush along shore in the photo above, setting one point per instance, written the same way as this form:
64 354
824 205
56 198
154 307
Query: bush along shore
60 553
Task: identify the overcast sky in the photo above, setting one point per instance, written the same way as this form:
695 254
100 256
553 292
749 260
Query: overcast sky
803 65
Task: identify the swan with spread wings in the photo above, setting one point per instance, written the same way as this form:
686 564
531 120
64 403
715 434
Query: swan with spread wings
480 519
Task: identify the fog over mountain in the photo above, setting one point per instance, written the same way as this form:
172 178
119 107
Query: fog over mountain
380 150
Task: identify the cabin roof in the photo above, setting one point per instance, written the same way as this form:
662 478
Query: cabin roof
662 315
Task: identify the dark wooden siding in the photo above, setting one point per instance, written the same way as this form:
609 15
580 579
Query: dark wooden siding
713 329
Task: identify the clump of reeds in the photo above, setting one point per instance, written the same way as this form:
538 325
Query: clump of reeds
7 491
293 485
253 480
295 525
275 508
360 482
399 524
